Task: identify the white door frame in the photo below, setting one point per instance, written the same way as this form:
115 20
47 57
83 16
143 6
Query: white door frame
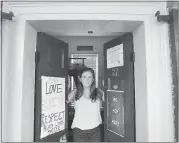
20 64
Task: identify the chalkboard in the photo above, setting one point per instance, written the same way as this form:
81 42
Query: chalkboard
115 112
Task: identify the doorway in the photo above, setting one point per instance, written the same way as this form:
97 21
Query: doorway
147 65
94 57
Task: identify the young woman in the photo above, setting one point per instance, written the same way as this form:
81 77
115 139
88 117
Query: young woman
87 102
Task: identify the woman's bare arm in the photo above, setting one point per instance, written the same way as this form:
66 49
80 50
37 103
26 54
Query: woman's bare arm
102 94
71 96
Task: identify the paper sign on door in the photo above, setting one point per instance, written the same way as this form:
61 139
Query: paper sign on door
53 105
115 56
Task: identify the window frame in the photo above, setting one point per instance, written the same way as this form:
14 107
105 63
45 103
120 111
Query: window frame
97 69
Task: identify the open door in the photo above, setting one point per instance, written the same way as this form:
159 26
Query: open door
119 111
51 89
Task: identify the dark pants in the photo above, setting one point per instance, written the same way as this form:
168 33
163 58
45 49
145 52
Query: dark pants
92 135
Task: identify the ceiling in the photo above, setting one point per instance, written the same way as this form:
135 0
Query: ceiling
102 28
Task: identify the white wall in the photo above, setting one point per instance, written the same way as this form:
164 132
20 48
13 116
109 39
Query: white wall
3 72
28 83
4 76
97 42
159 82
140 84
19 87
0 84
20 82
14 80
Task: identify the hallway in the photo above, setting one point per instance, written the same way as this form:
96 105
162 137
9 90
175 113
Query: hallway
145 100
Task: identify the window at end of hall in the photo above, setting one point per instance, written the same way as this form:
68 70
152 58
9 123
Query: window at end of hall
91 61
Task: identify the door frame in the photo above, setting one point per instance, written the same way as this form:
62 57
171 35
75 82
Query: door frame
20 58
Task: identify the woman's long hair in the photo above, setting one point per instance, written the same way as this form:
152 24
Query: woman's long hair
94 92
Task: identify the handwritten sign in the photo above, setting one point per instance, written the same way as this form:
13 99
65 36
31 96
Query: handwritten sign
53 105
115 112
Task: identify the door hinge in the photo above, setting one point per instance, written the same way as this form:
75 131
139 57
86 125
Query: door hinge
133 57
162 18
8 16
37 57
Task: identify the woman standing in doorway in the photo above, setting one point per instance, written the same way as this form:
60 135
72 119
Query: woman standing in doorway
87 102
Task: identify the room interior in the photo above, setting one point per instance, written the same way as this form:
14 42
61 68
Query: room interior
85 39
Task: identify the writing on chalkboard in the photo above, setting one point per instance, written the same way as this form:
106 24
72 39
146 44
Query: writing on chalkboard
115 122
115 112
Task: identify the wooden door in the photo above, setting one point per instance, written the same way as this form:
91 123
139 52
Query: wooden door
119 111
50 117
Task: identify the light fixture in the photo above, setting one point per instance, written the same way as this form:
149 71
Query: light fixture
90 32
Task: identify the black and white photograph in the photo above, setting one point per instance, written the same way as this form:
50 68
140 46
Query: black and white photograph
89 71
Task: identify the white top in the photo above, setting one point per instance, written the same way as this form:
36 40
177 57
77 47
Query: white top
87 114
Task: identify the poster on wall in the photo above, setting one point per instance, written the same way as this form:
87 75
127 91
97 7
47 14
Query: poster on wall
53 105
115 56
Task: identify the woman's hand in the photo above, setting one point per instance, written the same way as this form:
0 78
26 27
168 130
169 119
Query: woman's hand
101 92
71 96
67 101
